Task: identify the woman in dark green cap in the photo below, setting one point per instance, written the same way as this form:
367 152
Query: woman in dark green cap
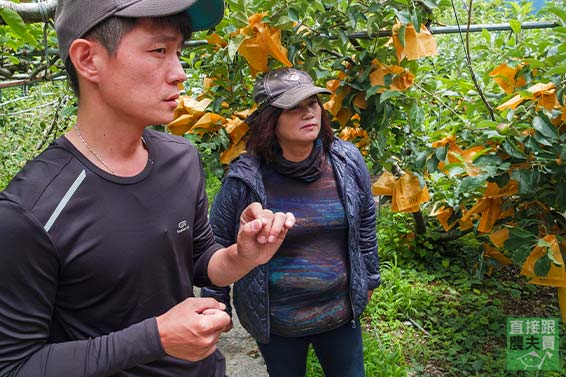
316 286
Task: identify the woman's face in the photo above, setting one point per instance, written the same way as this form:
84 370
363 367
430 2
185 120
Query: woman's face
299 125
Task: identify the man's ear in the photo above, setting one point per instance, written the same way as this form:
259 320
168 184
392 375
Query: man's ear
85 55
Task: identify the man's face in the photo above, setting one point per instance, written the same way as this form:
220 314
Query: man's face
139 82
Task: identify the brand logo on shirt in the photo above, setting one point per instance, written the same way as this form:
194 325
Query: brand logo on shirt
182 226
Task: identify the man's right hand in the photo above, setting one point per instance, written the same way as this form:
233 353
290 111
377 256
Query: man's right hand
191 328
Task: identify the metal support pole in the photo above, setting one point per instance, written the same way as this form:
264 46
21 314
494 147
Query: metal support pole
456 29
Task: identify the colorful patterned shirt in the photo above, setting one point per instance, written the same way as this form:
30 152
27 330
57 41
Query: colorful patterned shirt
308 279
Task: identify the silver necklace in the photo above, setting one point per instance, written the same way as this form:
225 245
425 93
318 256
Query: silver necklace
91 150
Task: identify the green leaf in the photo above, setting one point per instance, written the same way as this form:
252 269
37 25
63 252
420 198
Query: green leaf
432 163
486 36
284 23
512 150
520 253
294 14
387 79
343 37
541 139
470 184
560 94
480 154
310 63
545 127
416 22
550 255
528 180
457 156
401 34
240 17
404 16
421 159
521 243
487 159
389 94
416 116
16 23
454 170
542 266
543 243
516 7
373 24
441 152
560 12
515 26
490 170
502 180
352 18
372 91
532 144
234 45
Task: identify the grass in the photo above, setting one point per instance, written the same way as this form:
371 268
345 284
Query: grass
433 316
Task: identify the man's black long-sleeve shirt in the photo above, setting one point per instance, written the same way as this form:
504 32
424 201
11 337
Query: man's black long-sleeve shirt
88 259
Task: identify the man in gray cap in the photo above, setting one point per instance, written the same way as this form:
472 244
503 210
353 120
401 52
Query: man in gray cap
104 233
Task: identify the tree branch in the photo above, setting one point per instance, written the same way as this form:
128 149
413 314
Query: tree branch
469 60
453 234
466 46
30 12
439 100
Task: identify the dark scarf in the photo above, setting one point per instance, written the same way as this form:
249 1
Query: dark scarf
308 170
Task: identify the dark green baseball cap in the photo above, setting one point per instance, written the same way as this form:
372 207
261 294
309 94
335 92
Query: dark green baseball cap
75 18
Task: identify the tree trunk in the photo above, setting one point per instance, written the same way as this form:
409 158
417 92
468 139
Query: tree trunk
31 12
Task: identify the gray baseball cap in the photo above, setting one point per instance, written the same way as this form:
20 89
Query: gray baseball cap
285 88
74 18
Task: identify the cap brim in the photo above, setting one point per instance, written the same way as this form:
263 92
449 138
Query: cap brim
296 95
204 14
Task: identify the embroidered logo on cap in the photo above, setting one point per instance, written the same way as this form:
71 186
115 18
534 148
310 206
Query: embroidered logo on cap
291 76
